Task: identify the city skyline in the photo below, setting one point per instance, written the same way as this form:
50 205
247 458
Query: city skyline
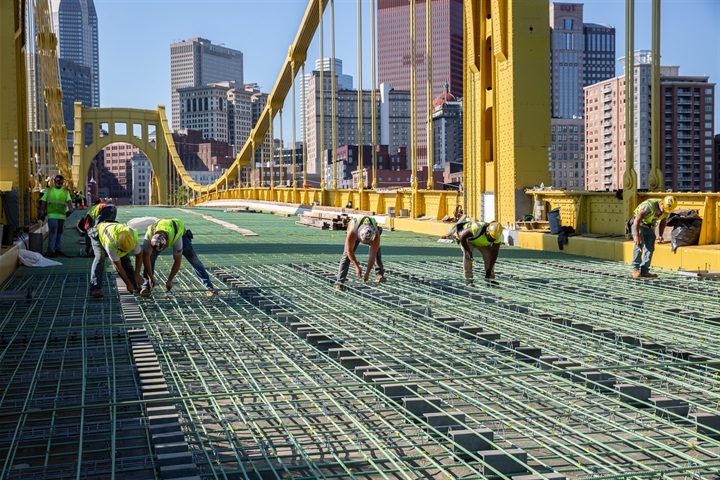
135 70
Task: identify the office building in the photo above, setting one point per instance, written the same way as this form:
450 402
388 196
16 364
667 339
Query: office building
76 26
198 62
581 54
394 54
447 123
141 179
686 126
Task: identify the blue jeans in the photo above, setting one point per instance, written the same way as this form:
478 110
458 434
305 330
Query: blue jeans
98 266
55 231
642 254
190 255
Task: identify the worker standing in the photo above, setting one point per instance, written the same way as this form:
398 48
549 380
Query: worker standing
57 203
114 240
363 230
98 213
649 214
485 237
171 232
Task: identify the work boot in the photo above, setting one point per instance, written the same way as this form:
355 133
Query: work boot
636 274
648 275
210 292
380 278
339 287
97 294
49 254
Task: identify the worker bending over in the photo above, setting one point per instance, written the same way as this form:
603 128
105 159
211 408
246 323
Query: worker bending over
485 237
646 217
98 213
114 240
363 230
171 232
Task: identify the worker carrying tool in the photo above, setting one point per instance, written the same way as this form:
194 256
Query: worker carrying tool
363 230
98 213
114 240
171 232
649 214
485 237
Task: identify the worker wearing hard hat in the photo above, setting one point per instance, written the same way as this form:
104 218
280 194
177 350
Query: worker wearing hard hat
57 203
485 237
650 213
100 212
363 230
114 240
171 232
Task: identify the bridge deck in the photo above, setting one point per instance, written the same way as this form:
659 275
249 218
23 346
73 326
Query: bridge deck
567 365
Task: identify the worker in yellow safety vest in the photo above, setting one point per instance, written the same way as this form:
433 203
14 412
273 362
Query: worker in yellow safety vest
115 240
649 214
98 213
57 203
171 232
486 238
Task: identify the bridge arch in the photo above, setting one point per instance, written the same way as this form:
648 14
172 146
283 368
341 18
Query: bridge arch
96 128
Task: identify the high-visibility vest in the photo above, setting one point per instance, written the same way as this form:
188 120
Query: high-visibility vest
56 199
479 239
108 233
174 228
657 214
365 221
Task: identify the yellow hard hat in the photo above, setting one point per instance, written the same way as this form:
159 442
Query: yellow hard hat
494 231
669 203
125 241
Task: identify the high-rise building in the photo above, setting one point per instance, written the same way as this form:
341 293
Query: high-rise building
344 82
394 118
447 130
141 179
581 54
686 128
346 119
76 27
197 62
223 111
394 53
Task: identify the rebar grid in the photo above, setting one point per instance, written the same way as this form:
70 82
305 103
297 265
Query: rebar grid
69 406
570 426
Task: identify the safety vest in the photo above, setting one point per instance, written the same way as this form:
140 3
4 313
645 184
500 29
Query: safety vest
56 199
172 226
108 233
365 221
479 239
656 214
95 210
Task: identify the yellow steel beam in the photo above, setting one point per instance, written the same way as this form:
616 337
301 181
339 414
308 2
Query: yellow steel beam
507 105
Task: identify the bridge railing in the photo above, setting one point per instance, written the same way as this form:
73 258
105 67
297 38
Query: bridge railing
603 212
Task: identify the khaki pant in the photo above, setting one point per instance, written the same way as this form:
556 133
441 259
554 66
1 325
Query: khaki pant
486 253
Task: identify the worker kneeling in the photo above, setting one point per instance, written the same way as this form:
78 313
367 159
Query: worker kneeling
486 237
363 230
165 233
114 240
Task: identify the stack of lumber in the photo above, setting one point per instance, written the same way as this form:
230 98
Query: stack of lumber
324 220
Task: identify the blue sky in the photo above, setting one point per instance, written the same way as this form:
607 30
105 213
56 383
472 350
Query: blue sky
135 38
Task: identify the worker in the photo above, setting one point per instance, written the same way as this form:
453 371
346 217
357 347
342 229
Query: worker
98 213
115 240
171 232
363 230
647 215
57 203
486 237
